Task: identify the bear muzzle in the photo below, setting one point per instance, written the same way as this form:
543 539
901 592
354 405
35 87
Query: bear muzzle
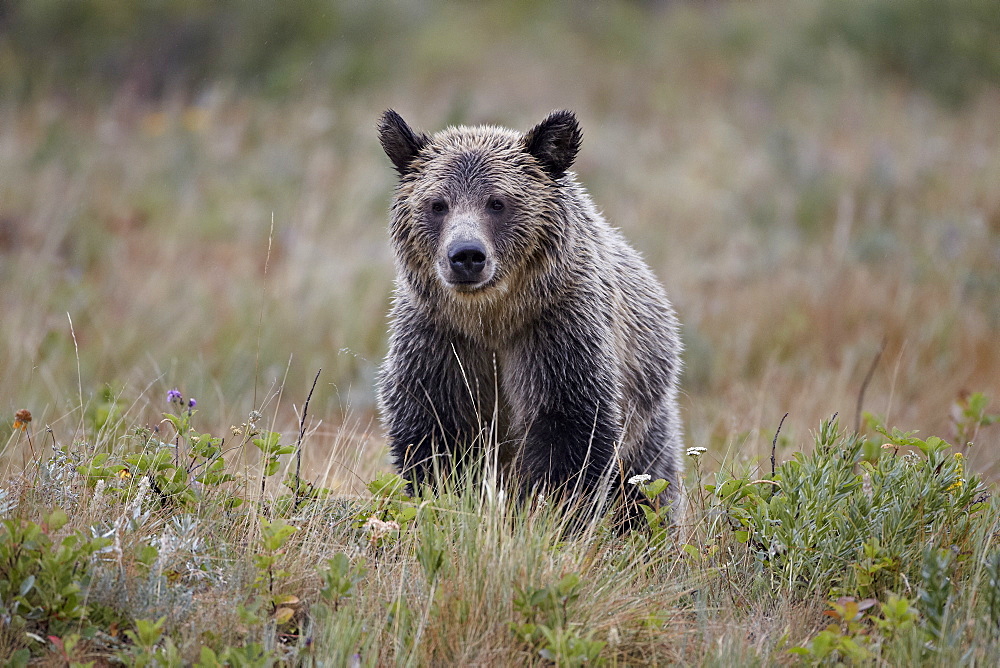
468 266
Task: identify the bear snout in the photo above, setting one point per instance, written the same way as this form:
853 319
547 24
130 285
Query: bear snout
467 260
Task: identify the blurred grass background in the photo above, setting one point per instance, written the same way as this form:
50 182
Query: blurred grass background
810 180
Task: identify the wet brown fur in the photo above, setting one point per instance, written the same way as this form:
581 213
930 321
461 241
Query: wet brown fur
568 354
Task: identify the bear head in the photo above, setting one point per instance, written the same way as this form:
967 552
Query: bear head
478 210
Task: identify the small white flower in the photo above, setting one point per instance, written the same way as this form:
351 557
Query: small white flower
697 451
135 507
377 528
99 493
542 502
640 479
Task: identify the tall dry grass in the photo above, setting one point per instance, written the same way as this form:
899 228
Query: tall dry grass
800 210
805 210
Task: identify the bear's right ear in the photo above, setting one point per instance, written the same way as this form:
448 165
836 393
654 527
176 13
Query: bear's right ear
399 141
555 142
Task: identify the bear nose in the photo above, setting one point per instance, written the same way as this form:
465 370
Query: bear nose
468 259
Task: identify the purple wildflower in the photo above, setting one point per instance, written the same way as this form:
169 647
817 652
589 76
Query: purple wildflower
174 395
192 403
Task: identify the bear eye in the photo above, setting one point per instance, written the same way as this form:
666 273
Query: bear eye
439 206
496 205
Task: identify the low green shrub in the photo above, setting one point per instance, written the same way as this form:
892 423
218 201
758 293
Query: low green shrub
44 577
855 515
892 529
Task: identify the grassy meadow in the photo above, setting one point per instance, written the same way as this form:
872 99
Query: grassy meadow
195 200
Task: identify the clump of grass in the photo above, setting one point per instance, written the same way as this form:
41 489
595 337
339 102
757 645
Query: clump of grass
198 563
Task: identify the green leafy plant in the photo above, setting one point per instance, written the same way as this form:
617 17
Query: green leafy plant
149 647
835 506
969 416
858 635
105 413
273 536
44 578
657 516
340 578
566 648
193 468
390 511
171 468
898 616
894 527
431 551
69 647
935 595
252 655
546 626
269 444
845 640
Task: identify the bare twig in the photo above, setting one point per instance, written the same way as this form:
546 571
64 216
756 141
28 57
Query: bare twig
302 433
774 442
864 386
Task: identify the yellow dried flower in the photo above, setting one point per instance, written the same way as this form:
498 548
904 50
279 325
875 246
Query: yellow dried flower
22 418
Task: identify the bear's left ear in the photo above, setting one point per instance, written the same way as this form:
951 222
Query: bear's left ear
399 141
555 142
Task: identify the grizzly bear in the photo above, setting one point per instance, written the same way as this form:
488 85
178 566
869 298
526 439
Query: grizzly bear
521 320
